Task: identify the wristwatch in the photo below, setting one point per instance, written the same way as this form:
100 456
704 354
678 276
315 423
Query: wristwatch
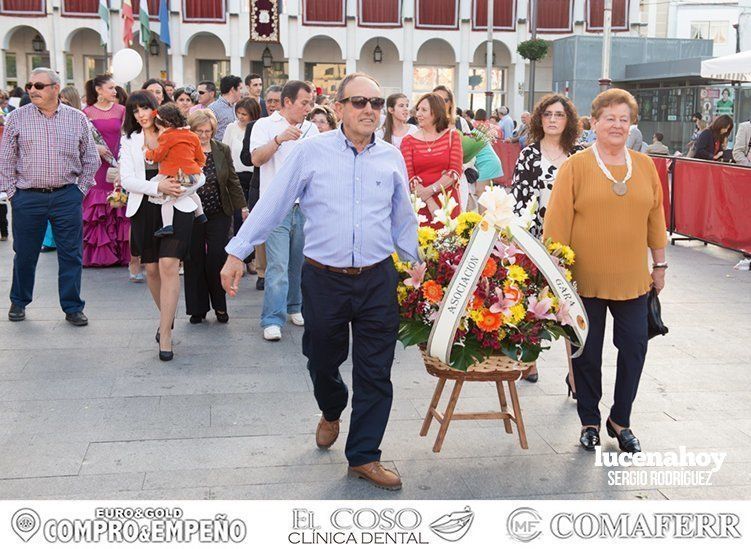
663 265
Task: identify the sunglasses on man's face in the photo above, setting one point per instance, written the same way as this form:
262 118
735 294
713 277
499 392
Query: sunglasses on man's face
36 85
359 102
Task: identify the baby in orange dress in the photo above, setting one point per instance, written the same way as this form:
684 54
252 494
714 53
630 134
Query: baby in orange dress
179 155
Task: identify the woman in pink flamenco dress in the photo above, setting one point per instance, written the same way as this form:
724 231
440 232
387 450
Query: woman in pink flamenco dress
105 229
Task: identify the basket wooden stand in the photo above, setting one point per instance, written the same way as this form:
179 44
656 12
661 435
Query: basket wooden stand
496 369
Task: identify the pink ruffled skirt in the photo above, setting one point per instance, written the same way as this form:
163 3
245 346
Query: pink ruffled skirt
106 230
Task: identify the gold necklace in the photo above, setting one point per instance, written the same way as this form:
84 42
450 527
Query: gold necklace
430 143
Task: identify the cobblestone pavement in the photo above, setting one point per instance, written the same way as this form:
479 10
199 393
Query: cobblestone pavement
91 413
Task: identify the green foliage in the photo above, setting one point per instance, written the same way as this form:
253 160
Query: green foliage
413 332
533 50
463 356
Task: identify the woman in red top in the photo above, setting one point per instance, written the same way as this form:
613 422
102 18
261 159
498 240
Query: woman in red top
433 156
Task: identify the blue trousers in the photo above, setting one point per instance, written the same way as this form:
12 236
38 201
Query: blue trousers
333 302
284 247
630 338
31 211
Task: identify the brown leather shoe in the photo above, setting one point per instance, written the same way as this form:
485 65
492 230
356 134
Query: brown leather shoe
377 475
327 433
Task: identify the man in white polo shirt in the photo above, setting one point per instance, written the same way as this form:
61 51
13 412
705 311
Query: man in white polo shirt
271 141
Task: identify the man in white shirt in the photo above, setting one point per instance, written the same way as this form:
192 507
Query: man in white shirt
271 141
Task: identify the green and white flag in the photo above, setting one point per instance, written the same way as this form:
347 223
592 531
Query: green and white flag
104 24
143 19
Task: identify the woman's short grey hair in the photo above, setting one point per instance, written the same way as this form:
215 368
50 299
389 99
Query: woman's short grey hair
54 77
349 78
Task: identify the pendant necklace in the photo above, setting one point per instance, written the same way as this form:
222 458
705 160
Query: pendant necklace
619 187
431 143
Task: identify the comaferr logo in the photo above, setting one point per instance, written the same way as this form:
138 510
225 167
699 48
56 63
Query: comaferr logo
454 526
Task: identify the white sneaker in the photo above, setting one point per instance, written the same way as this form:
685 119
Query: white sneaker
297 319
743 265
272 333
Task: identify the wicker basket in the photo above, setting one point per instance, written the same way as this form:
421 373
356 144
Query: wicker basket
490 369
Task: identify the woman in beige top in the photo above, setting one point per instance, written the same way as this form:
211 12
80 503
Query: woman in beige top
607 205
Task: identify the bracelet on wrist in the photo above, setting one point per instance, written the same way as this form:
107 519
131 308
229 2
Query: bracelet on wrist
662 265
277 142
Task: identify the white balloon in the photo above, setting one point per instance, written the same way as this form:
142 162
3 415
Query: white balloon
126 65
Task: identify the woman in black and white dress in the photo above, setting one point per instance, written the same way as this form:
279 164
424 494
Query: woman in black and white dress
553 133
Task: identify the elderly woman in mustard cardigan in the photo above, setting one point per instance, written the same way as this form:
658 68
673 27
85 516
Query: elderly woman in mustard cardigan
607 205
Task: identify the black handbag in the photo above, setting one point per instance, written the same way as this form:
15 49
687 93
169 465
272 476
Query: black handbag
655 326
472 175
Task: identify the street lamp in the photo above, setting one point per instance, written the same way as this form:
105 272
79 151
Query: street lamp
154 47
266 58
37 44
377 53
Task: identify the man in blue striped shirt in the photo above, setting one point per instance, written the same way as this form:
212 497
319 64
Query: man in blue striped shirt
353 192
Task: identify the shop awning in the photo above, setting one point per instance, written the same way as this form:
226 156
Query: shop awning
735 68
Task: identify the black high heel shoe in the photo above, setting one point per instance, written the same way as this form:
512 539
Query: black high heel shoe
571 392
222 317
158 336
627 441
590 437
165 356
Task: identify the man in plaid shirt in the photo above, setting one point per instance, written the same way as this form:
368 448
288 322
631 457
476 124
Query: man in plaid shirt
47 164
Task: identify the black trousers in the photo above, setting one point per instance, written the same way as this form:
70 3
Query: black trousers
332 303
3 220
203 287
245 178
630 338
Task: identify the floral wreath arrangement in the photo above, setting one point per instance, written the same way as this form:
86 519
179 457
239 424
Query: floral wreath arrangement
512 310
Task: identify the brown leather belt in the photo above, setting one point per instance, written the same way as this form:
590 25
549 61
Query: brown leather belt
349 271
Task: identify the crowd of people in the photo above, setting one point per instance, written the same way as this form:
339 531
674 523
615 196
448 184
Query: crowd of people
313 194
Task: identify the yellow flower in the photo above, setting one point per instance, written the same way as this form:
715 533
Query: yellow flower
398 265
562 251
516 274
568 276
476 315
518 312
467 221
426 235
401 293
430 253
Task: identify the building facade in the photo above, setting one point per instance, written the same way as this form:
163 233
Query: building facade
421 43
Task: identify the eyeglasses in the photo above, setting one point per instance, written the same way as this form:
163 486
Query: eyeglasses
359 102
37 85
556 115
446 100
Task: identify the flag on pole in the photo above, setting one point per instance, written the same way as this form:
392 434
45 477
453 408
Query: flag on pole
104 24
126 11
164 23
143 18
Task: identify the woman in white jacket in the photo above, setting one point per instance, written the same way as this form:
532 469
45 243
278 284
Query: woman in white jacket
160 256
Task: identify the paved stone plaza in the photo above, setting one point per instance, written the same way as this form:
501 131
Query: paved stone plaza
91 413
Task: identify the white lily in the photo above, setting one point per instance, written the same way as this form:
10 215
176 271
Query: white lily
417 205
499 207
443 214
527 216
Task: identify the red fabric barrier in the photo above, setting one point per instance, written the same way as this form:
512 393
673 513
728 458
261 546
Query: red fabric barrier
662 163
712 202
508 153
